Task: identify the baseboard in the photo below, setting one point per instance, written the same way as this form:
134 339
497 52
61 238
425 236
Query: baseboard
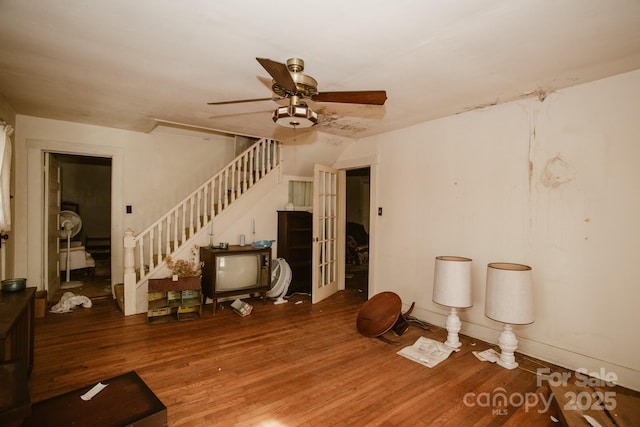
598 368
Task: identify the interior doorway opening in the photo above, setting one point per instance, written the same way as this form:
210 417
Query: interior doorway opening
357 229
85 190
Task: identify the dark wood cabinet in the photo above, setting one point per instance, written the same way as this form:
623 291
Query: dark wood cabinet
295 237
17 318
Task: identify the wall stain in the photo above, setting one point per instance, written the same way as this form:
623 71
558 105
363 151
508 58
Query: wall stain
557 172
479 106
342 123
539 93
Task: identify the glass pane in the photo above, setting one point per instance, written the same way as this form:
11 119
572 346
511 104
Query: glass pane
301 193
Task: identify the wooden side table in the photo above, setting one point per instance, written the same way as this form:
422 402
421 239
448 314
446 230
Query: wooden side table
174 299
126 401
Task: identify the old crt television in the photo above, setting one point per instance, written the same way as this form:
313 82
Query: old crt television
238 270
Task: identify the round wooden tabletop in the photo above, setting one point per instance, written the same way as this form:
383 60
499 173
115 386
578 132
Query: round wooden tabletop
379 314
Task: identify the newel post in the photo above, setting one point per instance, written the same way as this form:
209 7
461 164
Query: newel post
129 273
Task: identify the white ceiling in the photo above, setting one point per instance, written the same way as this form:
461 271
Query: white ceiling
129 64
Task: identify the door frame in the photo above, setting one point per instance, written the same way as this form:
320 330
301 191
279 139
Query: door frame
35 214
51 276
357 163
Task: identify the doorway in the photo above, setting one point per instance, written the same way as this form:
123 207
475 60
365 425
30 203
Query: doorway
357 230
85 190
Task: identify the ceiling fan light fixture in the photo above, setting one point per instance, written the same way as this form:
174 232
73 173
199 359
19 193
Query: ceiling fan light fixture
295 116
290 82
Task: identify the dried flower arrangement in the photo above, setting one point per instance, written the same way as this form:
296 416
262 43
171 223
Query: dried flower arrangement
185 268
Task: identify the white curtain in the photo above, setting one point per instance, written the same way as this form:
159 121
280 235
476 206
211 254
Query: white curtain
301 193
5 176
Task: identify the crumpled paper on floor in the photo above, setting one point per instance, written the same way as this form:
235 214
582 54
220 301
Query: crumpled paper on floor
489 355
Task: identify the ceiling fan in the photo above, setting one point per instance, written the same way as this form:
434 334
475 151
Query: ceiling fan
289 82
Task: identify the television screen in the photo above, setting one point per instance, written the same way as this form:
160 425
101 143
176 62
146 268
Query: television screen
237 272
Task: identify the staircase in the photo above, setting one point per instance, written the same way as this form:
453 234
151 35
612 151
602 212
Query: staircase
145 253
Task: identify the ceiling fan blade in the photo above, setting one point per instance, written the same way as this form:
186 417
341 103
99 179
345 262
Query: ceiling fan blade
280 73
373 97
243 100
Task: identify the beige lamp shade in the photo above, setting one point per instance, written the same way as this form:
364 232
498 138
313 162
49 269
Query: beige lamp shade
509 296
452 281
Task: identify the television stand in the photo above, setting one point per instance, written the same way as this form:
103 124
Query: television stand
238 270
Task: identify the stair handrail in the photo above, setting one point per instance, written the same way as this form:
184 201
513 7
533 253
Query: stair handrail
146 252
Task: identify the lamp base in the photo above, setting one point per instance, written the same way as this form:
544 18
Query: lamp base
453 326
508 344
507 365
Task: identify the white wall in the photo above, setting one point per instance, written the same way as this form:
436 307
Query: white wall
550 184
151 172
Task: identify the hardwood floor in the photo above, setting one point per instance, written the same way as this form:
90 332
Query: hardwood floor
283 365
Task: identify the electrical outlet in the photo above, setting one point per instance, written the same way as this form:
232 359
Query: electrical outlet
129 209
380 211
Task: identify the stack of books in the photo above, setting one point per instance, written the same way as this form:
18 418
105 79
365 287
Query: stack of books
241 307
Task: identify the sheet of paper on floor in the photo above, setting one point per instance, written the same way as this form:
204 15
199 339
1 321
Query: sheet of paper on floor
426 351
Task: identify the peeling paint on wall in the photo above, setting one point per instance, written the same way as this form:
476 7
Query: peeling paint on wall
480 106
556 173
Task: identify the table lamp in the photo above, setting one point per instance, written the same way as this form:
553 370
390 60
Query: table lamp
452 288
509 300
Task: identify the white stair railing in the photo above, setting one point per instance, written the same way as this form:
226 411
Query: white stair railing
147 251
